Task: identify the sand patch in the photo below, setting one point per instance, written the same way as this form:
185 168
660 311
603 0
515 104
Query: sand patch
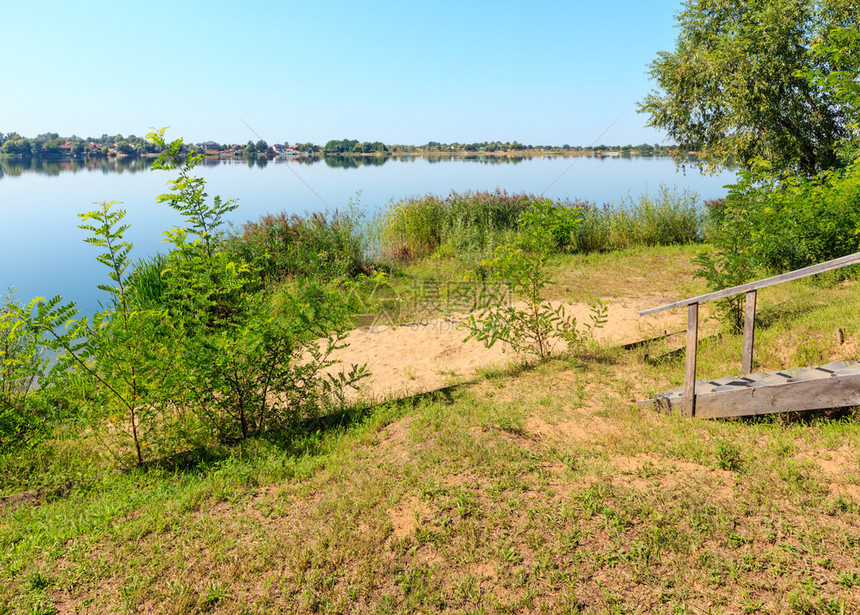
424 356
407 516
643 472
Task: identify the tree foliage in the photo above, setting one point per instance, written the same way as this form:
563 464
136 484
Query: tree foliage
736 88
775 225
841 53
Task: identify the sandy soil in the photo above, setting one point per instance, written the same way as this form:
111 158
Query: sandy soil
423 356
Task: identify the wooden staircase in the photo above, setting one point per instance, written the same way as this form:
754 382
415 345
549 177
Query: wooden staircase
834 385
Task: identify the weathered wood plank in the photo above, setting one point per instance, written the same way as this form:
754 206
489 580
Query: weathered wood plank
837 263
690 369
835 392
838 386
749 333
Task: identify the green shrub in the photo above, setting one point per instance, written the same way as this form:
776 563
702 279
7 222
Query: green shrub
770 225
128 356
26 341
192 349
539 326
251 356
801 222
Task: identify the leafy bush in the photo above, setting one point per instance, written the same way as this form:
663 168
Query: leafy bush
539 326
251 356
546 226
800 222
193 349
128 354
771 225
25 343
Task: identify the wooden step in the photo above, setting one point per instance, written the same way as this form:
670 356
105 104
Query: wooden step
834 385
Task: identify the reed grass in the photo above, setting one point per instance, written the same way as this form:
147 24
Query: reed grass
474 223
462 223
316 245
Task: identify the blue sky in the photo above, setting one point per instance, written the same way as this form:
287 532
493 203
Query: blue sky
399 72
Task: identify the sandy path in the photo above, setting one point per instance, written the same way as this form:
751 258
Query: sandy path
419 357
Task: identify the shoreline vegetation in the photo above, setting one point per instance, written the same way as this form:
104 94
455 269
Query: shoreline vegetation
198 455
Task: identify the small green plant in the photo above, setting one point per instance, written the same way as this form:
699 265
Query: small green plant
733 261
537 327
549 227
728 456
126 355
25 339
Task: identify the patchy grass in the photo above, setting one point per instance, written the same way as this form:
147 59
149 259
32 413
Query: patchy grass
538 489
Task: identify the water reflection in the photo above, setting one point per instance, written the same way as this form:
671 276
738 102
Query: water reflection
42 252
353 162
14 167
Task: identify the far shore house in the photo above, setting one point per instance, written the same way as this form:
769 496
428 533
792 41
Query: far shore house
209 146
85 148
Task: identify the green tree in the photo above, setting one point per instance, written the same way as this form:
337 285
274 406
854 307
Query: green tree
252 356
11 146
842 51
129 352
734 88
124 147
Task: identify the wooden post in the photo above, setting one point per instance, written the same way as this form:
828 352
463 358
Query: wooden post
692 349
749 333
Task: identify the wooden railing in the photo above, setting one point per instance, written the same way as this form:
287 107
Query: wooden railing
750 289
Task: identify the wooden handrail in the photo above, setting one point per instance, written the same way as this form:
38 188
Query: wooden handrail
750 289
836 263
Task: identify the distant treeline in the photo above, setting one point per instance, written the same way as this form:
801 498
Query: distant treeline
52 145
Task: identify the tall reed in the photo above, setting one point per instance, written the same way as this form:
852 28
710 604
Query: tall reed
473 223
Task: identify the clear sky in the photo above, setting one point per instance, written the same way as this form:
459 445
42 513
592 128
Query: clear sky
540 72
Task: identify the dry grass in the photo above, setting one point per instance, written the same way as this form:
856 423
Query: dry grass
540 489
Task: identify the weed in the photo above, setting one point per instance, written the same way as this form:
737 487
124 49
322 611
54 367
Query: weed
728 456
849 579
214 595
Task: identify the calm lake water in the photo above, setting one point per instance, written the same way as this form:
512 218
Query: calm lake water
42 251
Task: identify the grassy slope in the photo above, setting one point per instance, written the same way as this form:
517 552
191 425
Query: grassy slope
539 490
